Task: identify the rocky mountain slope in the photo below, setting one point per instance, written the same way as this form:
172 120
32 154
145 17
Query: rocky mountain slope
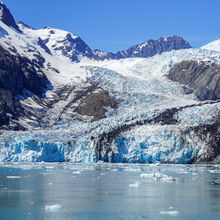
17 76
66 106
202 78
7 18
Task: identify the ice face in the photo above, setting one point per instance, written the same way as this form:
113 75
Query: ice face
141 146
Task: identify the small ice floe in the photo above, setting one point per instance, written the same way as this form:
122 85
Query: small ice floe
13 177
130 169
170 213
171 207
47 167
183 172
76 172
158 177
214 171
53 208
154 165
135 185
214 182
50 184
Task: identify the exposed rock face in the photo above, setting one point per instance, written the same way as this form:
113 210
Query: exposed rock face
43 45
212 131
72 48
16 75
6 17
202 78
93 105
10 108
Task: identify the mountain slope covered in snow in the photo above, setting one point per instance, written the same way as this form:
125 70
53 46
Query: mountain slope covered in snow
69 45
68 106
214 45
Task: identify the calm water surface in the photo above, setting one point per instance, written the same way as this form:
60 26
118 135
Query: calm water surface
109 191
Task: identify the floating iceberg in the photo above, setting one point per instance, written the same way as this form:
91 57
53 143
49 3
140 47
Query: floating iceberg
53 208
158 177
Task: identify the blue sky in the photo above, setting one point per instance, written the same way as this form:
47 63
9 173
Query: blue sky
114 25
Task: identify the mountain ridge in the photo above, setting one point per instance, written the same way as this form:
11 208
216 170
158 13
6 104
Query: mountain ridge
6 17
72 46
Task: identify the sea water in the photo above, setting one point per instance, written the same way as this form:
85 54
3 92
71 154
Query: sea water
109 191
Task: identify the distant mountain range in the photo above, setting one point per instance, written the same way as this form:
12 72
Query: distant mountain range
73 46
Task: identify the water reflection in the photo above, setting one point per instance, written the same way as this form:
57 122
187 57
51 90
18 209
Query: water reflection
102 191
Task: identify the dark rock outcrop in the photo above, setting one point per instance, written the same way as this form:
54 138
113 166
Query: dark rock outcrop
93 105
18 74
201 78
212 131
43 45
7 18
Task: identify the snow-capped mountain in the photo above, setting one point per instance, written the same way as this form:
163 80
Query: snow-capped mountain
214 45
153 47
69 45
66 106
58 42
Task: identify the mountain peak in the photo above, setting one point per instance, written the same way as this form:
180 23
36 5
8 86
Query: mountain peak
22 25
6 17
151 47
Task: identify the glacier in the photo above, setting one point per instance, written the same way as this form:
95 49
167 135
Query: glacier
155 120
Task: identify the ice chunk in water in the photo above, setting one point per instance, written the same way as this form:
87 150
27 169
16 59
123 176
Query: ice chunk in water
13 177
170 213
158 177
135 185
76 172
53 208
